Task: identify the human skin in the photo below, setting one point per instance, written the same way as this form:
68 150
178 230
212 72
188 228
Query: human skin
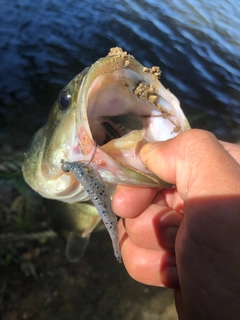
187 238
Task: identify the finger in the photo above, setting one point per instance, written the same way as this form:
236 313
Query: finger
155 228
195 161
150 267
232 149
172 199
131 201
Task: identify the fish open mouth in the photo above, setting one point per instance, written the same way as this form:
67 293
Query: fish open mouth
121 106
127 108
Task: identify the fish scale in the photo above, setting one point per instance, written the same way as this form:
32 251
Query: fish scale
96 189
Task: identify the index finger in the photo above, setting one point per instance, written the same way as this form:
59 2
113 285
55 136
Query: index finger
128 202
232 149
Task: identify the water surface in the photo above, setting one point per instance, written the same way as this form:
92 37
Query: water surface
44 44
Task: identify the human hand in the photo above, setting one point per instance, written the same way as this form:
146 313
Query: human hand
188 237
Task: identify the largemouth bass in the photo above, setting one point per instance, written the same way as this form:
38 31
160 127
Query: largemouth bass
117 105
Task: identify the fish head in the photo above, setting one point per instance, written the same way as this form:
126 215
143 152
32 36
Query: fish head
117 105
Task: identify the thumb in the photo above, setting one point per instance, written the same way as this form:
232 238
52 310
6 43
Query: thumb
195 161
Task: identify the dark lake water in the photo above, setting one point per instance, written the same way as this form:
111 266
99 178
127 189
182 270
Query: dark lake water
44 44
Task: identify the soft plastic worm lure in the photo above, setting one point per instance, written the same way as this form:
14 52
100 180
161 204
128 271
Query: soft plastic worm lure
95 187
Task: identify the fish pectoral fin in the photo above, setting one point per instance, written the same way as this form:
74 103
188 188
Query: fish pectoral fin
76 246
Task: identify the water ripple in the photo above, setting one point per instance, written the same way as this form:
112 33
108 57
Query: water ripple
195 42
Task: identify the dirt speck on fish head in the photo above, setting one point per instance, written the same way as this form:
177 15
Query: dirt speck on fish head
146 92
117 51
120 54
155 71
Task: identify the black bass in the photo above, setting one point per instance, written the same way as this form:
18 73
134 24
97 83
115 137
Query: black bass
116 105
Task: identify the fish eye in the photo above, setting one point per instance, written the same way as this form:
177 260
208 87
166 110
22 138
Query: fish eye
64 100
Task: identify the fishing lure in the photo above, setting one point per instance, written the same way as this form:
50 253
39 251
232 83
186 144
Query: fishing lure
96 189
